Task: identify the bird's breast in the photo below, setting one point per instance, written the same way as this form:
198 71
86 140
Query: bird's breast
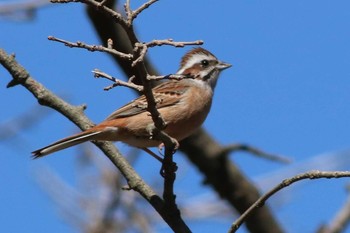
189 114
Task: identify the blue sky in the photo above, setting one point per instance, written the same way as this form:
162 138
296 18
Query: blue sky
287 93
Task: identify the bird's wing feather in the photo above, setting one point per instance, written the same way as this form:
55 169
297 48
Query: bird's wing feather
165 94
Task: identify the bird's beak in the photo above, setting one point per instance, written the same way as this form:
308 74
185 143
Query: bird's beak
223 65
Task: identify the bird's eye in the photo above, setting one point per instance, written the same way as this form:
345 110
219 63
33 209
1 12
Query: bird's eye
205 63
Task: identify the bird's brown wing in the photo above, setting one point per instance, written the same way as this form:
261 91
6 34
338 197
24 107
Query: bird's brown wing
165 94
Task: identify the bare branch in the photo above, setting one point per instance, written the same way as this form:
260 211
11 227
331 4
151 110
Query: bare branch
168 167
63 1
254 151
110 43
143 7
128 11
171 42
102 3
142 53
75 114
285 183
116 82
131 15
118 18
202 150
139 52
92 48
169 76
168 171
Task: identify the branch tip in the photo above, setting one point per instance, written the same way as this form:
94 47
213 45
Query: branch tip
285 183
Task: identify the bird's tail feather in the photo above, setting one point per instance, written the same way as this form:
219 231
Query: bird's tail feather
65 143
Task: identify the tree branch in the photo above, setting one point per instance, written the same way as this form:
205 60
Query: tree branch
227 180
171 42
254 151
92 48
116 82
75 114
131 15
201 148
285 183
140 71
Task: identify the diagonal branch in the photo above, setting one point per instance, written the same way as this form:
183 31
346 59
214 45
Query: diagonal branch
285 183
116 82
255 151
227 180
92 48
75 114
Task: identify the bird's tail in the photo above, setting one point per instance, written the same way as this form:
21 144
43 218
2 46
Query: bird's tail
65 143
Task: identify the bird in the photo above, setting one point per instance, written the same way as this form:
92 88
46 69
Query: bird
182 103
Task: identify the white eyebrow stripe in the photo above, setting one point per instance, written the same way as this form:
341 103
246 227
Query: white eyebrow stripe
197 58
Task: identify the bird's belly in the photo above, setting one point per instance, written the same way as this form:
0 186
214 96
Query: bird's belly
178 129
183 128
181 123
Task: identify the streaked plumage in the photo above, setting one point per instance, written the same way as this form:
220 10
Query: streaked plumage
184 104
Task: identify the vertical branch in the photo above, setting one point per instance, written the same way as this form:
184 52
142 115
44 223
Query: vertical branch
139 70
169 173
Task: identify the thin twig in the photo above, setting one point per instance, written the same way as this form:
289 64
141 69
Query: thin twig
130 84
92 48
118 17
143 7
171 42
110 43
141 54
131 15
103 2
285 183
128 11
116 82
169 76
98 5
255 151
154 155
63 1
